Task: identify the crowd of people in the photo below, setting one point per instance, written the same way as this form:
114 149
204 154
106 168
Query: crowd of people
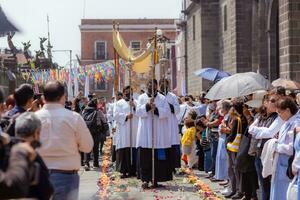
245 143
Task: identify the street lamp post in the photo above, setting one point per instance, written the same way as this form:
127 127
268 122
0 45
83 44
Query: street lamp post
70 51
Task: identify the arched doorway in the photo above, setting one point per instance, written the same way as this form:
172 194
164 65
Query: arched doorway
273 40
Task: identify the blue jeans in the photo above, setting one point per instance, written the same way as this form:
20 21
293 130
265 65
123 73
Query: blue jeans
66 186
214 149
207 161
263 182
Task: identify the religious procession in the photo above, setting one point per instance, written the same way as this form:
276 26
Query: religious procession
152 108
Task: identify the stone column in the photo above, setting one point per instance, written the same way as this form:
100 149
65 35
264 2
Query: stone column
289 23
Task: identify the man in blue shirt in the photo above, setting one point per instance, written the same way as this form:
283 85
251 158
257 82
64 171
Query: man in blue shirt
24 98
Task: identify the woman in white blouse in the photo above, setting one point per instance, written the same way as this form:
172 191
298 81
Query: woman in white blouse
296 162
287 110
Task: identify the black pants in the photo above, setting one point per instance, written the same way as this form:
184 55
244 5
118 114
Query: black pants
200 154
163 168
96 138
101 145
250 184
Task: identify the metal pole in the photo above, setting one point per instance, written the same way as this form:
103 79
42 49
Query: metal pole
153 96
70 73
70 59
130 97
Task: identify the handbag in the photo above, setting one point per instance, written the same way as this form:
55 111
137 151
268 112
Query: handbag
289 170
244 162
235 145
292 192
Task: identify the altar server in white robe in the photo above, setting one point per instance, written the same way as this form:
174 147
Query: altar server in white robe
173 122
125 117
114 130
156 108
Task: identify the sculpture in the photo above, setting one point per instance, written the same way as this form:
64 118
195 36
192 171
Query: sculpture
26 51
42 40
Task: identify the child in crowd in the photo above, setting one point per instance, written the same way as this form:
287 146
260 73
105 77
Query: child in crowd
188 140
205 144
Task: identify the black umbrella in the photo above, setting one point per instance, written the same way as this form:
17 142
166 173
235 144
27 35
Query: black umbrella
5 25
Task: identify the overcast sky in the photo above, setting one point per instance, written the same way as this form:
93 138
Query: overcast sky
30 16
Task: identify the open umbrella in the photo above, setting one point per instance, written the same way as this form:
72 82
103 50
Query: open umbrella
238 85
5 25
211 74
288 84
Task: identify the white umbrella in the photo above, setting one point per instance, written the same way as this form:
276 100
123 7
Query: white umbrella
238 85
288 84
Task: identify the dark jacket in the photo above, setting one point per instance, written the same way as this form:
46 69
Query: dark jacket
39 186
43 190
99 121
15 181
12 115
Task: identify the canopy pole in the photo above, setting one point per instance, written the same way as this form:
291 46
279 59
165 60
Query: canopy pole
154 61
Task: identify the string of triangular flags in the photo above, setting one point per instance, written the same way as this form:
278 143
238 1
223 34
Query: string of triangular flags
98 72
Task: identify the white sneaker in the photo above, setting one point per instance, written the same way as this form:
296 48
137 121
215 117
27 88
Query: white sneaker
227 190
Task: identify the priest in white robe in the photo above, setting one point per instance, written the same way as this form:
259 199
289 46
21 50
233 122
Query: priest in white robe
153 109
173 122
126 121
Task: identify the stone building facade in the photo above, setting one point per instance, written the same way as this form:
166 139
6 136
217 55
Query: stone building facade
97 44
241 36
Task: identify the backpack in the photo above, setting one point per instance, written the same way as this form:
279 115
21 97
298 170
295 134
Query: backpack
90 118
7 124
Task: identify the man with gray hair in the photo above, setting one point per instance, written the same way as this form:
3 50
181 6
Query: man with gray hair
27 130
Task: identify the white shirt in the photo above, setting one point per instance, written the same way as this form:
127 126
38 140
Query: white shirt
201 109
122 109
64 133
267 158
144 133
184 110
286 136
266 132
296 162
110 110
173 123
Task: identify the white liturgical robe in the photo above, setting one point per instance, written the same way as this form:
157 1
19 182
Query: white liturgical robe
144 132
122 109
173 122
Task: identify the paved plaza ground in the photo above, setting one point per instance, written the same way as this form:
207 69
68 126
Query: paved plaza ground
130 188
